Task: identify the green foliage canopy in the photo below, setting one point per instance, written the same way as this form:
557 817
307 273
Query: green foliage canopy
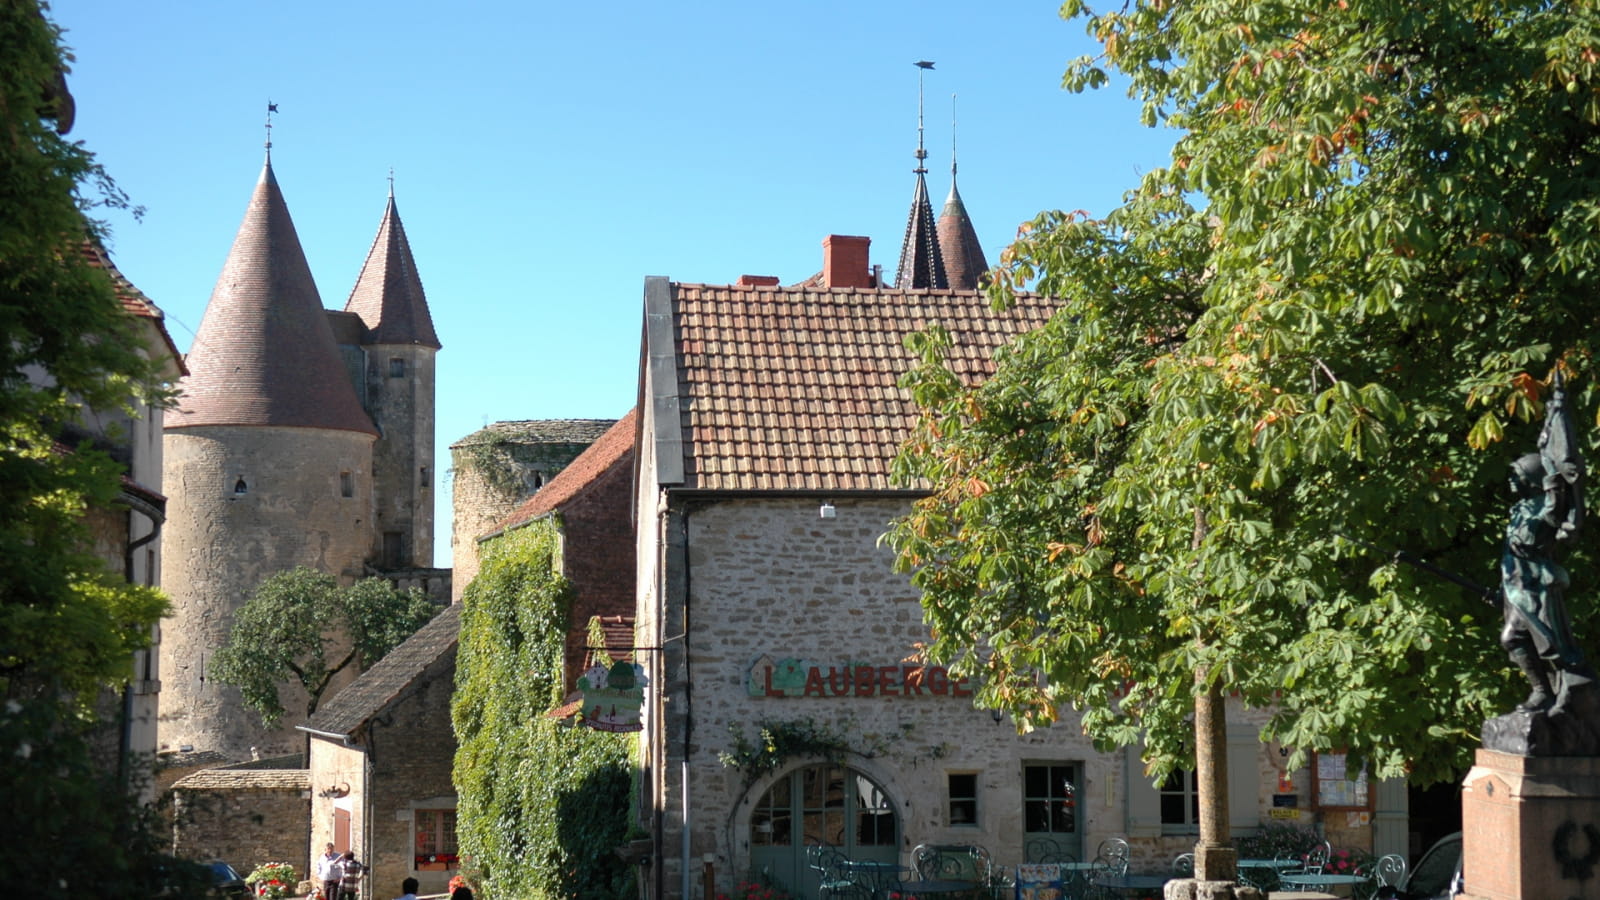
302 626
542 804
1334 313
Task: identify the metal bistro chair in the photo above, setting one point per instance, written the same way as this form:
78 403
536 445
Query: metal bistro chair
1183 865
1387 871
1046 850
1115 852
1317 858
832 879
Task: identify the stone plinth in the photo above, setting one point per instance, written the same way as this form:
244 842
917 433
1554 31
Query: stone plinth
1530 826
1195 889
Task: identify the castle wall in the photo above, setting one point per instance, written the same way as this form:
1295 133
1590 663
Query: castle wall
221 543
400 398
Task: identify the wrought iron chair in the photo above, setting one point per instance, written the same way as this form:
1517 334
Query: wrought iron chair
1045 850
1317 858
1115 852
832 879
1390 870
1183 865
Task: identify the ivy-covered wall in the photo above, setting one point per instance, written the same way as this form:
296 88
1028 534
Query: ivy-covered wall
542 804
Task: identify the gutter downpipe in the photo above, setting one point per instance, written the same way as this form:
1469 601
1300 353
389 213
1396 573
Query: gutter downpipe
688 705
157 516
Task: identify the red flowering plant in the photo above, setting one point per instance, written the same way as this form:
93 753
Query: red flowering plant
1348 862
755 890
273 880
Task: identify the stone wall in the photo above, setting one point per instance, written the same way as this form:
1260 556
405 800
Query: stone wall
402 459
243 817
220 543
400 763
769 579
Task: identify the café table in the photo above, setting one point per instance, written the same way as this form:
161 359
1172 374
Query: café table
1319 880
875 876
1132 884
939 887
1274 866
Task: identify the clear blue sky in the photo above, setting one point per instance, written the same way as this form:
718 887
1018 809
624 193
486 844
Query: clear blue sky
547 157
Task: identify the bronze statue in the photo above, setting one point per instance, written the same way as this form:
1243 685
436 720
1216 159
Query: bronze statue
1558 716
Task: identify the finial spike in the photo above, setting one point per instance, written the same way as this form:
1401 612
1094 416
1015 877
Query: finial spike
923 65
271 108
952 138
391 182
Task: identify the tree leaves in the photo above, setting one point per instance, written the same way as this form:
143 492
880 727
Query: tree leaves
1334 313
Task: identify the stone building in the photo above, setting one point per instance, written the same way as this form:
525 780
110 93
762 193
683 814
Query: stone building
769 417
127 535
303 436
495 469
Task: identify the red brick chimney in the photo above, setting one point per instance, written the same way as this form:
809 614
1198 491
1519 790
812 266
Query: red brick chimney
757 281
845 262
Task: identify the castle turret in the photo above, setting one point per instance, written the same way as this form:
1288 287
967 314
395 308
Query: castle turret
400 345
921 264
958 242
268 466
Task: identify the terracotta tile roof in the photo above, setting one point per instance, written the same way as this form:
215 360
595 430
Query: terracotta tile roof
958 243
616 443
618 631
784 389
132 299
264 354
921 265
539 431
388 294
389 677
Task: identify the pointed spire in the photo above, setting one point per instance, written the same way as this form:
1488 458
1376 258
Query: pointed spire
264 354
958 240
921 265
388 295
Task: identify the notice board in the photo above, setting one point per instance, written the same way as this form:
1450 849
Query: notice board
1335 786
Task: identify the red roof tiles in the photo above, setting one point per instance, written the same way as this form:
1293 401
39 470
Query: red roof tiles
388 295
794 389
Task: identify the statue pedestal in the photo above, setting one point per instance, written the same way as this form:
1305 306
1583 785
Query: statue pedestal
1530 826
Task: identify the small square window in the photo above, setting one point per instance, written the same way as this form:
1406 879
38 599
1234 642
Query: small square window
347 484
397 367
963 789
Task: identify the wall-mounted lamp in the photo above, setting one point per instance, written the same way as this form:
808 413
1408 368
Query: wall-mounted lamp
827 511
999 715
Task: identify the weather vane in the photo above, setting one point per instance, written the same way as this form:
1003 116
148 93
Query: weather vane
271 108
923 65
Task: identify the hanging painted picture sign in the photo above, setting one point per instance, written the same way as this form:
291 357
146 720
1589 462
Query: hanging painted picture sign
790 677
613 696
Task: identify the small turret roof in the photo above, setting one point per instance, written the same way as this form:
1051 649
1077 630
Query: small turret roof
388 294
921 264
958 243
264 354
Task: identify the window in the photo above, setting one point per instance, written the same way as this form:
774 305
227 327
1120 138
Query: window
423 476
1050 799
436 839
347 485
1180 803
963 790
393 549
397 367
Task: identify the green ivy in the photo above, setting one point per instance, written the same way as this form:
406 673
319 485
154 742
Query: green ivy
779 740
542 804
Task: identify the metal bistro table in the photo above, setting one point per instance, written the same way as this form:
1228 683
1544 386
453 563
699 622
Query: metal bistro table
1275 866
1319 880
874 876
1130 885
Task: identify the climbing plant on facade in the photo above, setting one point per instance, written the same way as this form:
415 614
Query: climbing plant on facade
542 803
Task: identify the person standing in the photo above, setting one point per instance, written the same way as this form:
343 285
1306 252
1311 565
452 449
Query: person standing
350 872
327 875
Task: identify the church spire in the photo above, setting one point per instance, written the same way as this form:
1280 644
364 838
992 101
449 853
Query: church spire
388 295
264 354
921 264
958 240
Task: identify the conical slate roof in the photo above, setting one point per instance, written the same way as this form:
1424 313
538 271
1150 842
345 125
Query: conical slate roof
958 243
265 354
388 294
921 265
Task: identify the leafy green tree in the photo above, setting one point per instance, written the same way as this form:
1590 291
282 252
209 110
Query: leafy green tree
301 626
68 627
1334 314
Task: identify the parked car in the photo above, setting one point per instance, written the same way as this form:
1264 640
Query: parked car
1437 875
226 883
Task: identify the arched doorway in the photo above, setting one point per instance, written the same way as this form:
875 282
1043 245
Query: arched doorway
828 804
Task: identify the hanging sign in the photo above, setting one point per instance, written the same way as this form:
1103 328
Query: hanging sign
790 677
613 696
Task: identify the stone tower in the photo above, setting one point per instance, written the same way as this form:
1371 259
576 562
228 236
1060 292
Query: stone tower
282 453
398 376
